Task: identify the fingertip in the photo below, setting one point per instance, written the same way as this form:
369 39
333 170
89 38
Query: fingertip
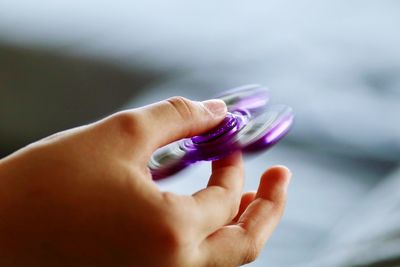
279 168
279 174
274 183
217 107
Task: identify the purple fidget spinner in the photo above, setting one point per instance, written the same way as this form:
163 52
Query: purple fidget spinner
250 125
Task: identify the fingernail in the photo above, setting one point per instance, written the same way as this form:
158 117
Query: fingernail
216 106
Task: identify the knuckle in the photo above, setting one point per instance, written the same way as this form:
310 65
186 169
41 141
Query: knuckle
126 123
176 220
171 202
174 237
183 106
234 198
276 208
175 244
252 251
278 205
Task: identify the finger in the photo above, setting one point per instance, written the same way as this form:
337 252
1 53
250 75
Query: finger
217 204
178 117
247 198
263 214
238 244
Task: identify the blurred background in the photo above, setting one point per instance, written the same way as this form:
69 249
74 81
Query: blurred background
337 63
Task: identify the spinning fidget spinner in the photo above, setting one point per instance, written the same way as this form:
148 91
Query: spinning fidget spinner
250 125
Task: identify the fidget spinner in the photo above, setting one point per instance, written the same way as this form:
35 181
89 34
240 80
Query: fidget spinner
250 125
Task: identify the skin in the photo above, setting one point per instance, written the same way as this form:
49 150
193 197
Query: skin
85 197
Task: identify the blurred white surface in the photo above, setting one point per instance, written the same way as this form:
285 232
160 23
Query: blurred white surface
336 62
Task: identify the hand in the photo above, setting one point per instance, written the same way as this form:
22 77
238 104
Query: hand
85 197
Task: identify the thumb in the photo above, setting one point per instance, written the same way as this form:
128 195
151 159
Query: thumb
177 118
